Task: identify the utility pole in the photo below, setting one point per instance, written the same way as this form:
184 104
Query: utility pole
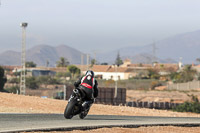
95 57
154 53
65 92
23 60
82 62
88 58
116 86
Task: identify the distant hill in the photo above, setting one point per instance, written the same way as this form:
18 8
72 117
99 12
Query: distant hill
40 54
169 50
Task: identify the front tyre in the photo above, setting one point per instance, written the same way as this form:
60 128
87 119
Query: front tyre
69 110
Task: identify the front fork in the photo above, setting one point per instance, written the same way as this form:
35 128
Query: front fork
75 95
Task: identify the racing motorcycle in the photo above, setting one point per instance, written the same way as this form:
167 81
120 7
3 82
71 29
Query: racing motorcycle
75 105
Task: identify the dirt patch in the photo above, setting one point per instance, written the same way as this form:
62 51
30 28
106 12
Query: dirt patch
12 103
31 104
157 129
160 96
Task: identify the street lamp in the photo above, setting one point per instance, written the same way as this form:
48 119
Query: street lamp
23 59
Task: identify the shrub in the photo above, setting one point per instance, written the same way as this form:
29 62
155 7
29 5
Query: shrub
193 106
14 80
32 83
12 89
188 107
155 84
48 80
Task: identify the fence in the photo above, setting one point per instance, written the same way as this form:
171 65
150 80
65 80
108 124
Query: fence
184 86
129 84
155 105
49 93
106 96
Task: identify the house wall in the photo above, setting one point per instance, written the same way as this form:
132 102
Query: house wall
129 75
114 76
108 75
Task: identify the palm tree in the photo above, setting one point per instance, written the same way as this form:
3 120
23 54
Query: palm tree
63 62
73 70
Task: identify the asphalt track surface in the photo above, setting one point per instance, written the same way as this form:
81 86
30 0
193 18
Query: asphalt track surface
57 122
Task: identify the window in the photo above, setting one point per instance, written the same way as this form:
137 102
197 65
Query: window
111 77
118 77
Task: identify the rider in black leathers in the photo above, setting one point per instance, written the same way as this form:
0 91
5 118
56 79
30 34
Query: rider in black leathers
89 84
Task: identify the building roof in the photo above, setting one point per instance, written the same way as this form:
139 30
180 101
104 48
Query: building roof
139 65
58 69
101 68
118 69
11 67
95 68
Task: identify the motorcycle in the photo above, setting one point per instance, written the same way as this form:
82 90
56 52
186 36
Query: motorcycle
75 105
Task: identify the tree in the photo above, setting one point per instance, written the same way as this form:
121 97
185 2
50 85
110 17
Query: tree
32 83
186 75
3 80
104 63
93 62
73 70
198 60
175 76
118 60
30 64
63 62
47 63
153 74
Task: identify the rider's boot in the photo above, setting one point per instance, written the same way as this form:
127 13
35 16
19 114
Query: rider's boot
85 108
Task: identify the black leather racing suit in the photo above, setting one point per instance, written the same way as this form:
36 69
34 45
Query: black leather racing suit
91 90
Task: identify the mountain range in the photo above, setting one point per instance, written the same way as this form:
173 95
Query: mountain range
185 46
40 54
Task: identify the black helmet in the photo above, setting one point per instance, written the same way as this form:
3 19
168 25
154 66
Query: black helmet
89 72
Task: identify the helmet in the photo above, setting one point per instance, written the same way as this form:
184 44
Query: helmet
89 72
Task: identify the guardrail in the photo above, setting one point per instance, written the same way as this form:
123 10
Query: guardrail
155 105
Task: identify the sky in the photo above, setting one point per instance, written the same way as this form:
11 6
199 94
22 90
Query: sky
95 25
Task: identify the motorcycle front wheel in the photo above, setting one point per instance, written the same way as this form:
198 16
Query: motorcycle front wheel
70 109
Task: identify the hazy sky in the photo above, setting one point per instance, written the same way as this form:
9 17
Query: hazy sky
100 25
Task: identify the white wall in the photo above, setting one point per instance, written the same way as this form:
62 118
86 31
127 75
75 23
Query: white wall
107 75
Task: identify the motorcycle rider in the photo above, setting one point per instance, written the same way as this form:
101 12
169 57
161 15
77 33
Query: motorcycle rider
89 84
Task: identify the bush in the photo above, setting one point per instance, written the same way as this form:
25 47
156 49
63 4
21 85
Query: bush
193 106
12 89
155 84
32 83
61 74
188 107
14 80
48 80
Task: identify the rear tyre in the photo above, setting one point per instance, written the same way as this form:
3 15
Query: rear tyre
69 110
83 114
